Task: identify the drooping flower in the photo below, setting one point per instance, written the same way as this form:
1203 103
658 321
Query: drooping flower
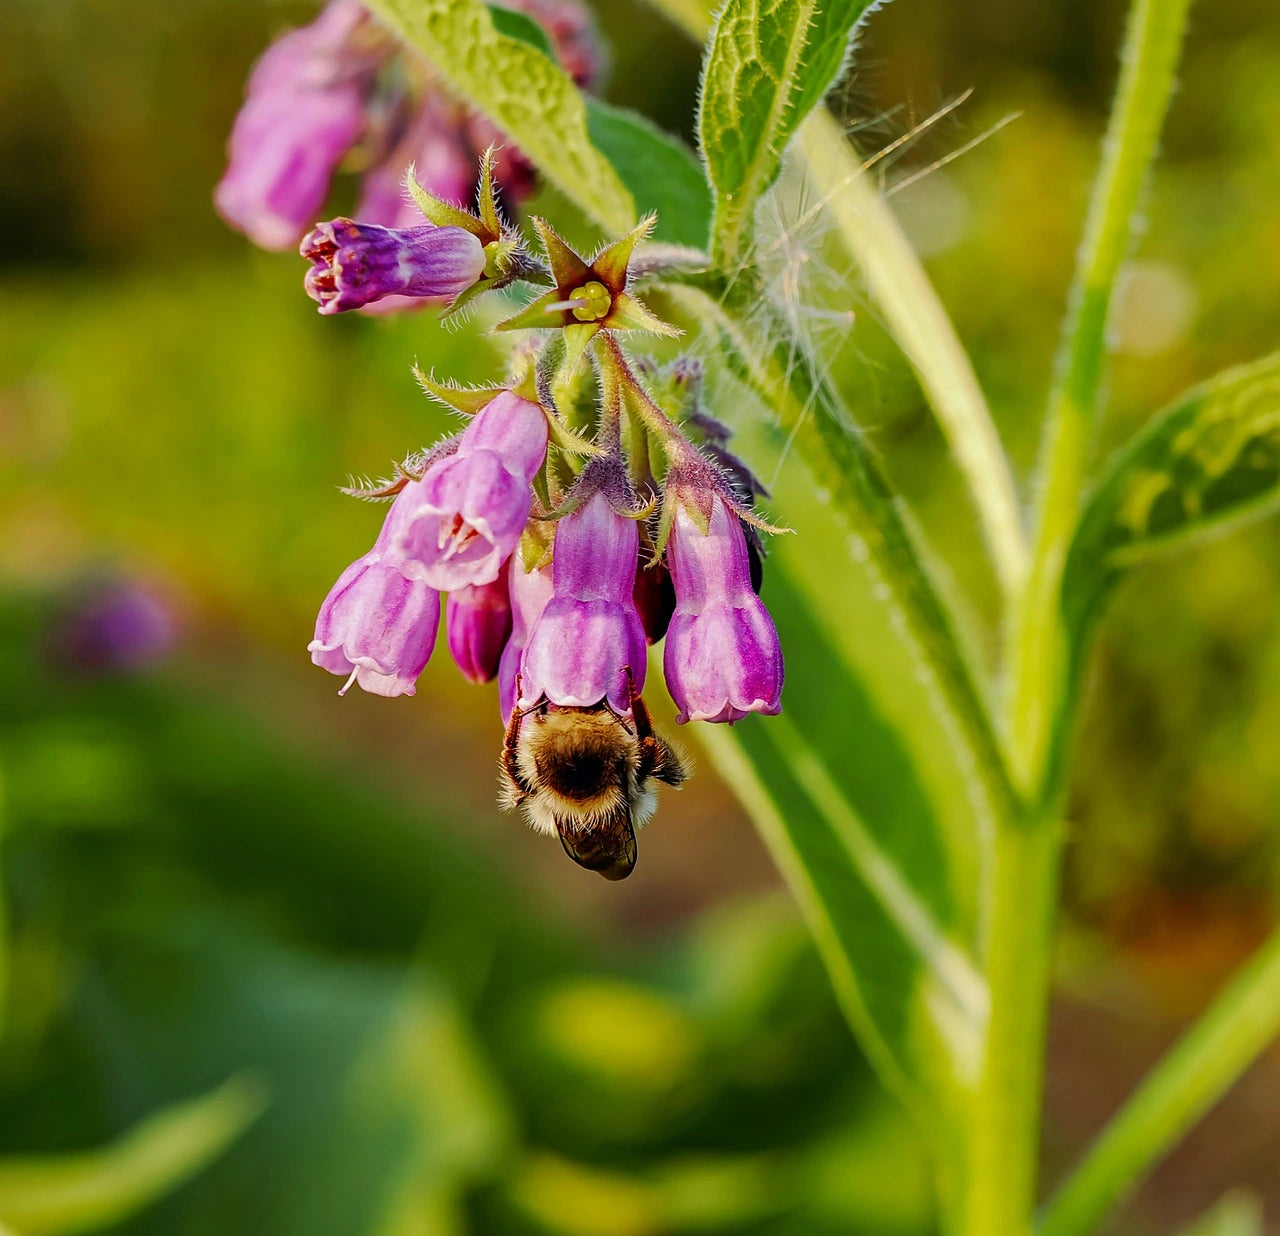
467 512
529 591
304 109
378 625
478 622
355 264
722 659
588 644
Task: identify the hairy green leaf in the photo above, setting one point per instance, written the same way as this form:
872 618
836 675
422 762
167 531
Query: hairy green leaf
878 788
1207 462
526 95
96 1189
838 792
768 64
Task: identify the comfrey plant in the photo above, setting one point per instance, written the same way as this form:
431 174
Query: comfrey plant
913 797
597 548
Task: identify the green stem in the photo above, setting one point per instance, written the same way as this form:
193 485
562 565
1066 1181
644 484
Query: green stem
1005 1140
1038 675
1004 1128
1239 1024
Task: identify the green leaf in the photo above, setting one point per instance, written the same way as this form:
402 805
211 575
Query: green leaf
99 1188
879 787
526 95
1206 463
660 170
838 789
521 26
767 66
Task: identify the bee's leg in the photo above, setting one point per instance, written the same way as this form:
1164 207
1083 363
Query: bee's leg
639 710
657 758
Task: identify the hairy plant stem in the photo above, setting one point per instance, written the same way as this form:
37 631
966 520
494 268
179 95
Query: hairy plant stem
1040 701
1038 678
1003 1134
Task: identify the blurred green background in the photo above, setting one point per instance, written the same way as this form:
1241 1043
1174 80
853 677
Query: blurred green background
407 1014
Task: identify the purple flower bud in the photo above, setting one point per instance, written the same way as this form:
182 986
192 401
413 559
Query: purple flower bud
589 635
469 509
722 658
478 621
305 108
354 264
529 591
379 622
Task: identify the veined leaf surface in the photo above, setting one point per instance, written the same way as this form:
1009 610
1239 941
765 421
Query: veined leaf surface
768 64
528 97
1211 459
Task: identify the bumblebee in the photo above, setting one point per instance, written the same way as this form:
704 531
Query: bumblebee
585 775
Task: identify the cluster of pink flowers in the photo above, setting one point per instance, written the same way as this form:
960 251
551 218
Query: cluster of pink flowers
343 84
565 547
572 631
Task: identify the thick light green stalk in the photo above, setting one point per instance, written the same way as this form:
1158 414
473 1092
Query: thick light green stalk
1239 1024
1007 1122
920 327
1004 1129
1038 679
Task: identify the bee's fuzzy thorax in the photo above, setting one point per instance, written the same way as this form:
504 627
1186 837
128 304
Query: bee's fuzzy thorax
582 764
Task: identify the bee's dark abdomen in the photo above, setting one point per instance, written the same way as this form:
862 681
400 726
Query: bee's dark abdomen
607 846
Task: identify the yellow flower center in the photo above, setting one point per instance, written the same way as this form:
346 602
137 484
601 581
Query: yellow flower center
593 301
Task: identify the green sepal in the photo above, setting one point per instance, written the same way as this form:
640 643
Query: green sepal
465 399
568 268
536 315
612 262
487 195
701 519
666 517
563 437
629 314
542 487
644 510
576 338
442 213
